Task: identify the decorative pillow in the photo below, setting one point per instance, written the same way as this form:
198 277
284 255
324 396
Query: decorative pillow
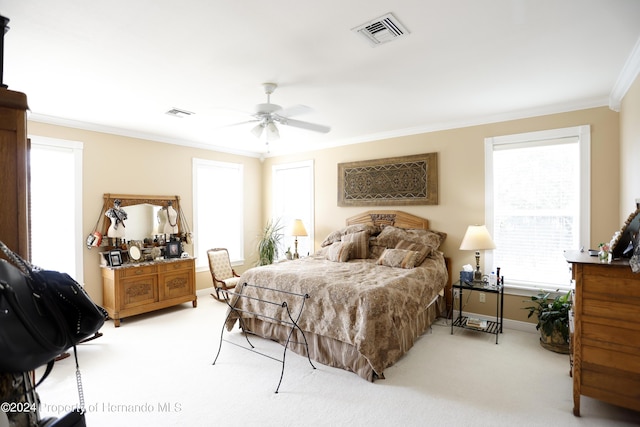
360 242
339 252
390 236
375 250
422 250
400 258
336 236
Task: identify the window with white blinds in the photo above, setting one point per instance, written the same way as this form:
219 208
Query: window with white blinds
293 199
218 209
537 204
56 205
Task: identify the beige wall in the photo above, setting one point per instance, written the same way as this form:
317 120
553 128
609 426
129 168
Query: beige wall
461 181
116 164
630 150
122 165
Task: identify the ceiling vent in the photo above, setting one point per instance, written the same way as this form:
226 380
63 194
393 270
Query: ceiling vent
382 30
177 112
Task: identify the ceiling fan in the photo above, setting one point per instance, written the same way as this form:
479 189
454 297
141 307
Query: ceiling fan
270 115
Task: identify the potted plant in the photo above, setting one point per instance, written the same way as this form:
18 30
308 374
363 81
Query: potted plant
269 242
553 319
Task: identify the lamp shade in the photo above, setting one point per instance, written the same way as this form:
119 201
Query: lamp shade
476 238
272 132
257 130
297 229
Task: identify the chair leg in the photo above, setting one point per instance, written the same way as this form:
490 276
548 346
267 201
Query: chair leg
217 294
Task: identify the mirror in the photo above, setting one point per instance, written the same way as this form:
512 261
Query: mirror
146 216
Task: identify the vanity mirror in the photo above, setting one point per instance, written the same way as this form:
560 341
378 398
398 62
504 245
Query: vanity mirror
146 216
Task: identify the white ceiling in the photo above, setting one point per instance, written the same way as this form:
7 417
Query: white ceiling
118 65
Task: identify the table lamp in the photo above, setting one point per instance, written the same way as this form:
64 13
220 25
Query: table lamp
297 230
477 238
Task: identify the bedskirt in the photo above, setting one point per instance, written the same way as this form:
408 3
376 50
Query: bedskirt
338 354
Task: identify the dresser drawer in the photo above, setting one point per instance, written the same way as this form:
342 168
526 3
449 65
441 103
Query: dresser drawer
175 265
138 270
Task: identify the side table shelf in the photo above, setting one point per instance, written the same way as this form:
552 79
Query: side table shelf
491 327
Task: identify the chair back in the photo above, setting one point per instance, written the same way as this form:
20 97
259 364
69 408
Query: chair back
220 263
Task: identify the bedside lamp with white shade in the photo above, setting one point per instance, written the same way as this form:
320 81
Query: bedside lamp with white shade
297 230
477 238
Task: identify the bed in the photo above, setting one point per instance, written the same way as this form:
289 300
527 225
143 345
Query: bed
374 287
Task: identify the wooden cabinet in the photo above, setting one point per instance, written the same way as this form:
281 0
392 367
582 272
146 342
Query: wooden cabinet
14 172
133 289
606 332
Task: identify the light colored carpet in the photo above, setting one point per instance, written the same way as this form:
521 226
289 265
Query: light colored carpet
156 369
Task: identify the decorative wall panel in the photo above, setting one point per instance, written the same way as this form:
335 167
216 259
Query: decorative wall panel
408 180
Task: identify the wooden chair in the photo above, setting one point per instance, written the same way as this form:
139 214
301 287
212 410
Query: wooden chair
223 275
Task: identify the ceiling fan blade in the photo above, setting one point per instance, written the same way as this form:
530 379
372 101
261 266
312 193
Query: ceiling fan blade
241 123
303 125
295 110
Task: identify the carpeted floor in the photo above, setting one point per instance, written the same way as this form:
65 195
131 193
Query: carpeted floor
156 369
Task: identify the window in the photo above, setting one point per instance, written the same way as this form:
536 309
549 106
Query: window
218 211
293 199
56 205
537 204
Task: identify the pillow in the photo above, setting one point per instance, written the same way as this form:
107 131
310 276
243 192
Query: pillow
336 236
422 250
390 236
375 250
401 258
360 242
339 252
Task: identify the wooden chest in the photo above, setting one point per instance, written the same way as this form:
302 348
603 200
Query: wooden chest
606 332
140 288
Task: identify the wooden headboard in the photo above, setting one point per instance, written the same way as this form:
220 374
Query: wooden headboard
402 219
398 219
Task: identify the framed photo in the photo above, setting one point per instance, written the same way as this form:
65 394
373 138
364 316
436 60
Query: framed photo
115 258
173 250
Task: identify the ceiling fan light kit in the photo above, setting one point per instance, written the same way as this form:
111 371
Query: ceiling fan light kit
268 115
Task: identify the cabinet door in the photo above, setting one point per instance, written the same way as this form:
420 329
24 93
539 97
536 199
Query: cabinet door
176 284
139 291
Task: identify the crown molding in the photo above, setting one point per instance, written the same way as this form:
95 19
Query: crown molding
626 78
58 121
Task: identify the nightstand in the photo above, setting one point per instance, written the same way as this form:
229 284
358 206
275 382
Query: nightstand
487 326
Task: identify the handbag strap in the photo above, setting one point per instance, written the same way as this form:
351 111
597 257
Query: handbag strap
79 382
183 219
17 260
101 216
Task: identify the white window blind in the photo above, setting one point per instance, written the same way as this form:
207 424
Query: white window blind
218 209
537 191
293 199
56 205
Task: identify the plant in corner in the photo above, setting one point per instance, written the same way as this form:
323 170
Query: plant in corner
553 319
269 242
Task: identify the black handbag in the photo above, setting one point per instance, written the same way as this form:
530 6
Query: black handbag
71 419
42 314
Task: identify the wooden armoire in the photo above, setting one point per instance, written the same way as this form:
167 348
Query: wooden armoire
14 172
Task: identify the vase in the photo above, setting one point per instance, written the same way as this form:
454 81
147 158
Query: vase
603 256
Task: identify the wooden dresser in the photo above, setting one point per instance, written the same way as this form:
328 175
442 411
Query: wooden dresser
605 339
140 288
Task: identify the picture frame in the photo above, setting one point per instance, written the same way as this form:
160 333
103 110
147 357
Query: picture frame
173 250
115 258
627 238
398 181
